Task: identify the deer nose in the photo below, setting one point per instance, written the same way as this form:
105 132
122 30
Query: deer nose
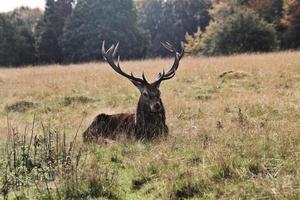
157 106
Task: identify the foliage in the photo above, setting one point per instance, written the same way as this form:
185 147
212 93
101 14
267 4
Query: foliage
193 43
291 21
94 21
50 30
17 42
269 10
236 30
171 20
27 17
73 30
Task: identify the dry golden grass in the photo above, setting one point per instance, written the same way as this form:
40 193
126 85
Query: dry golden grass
272 79
232 137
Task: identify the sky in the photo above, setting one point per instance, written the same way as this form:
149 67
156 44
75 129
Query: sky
8 5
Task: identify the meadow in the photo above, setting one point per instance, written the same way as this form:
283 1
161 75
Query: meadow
234 128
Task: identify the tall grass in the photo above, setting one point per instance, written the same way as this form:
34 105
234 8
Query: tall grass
38 158
234 126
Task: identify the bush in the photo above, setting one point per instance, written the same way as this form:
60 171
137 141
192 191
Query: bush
235 30
193 43
20 106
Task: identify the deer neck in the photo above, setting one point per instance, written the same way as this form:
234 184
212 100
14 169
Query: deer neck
149 124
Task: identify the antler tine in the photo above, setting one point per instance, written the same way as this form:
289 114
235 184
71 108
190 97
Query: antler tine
171 73
115 50
168 46
103 49
111 49
144 78
109 57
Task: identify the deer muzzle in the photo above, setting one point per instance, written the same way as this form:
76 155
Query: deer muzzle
155 107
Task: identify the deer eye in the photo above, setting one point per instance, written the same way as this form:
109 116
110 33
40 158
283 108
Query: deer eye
145 94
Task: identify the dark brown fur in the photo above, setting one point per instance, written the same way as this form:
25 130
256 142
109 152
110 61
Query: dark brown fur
143 125
150 124
110 126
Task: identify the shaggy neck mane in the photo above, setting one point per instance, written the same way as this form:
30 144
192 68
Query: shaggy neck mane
149 124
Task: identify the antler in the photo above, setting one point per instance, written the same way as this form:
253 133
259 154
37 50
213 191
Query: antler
171 73
109 55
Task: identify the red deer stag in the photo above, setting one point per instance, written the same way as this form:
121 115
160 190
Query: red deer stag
149 120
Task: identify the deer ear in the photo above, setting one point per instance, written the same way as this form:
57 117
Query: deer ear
139 86
157 84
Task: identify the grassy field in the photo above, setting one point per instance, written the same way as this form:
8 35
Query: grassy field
234 127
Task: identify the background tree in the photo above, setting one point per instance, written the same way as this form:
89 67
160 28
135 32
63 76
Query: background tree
270 10
25 20
170 20
291 21
7 42
110 20
193 43
73 30
236 30
50 30
16 43
25 46
27 17
150 18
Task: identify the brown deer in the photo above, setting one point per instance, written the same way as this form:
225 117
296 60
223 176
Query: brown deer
149 121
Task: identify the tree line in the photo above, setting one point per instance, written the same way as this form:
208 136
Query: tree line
70 31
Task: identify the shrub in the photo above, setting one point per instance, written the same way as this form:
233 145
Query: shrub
235 30
193 43
20 106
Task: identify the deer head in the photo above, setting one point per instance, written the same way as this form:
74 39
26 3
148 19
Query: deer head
150 93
